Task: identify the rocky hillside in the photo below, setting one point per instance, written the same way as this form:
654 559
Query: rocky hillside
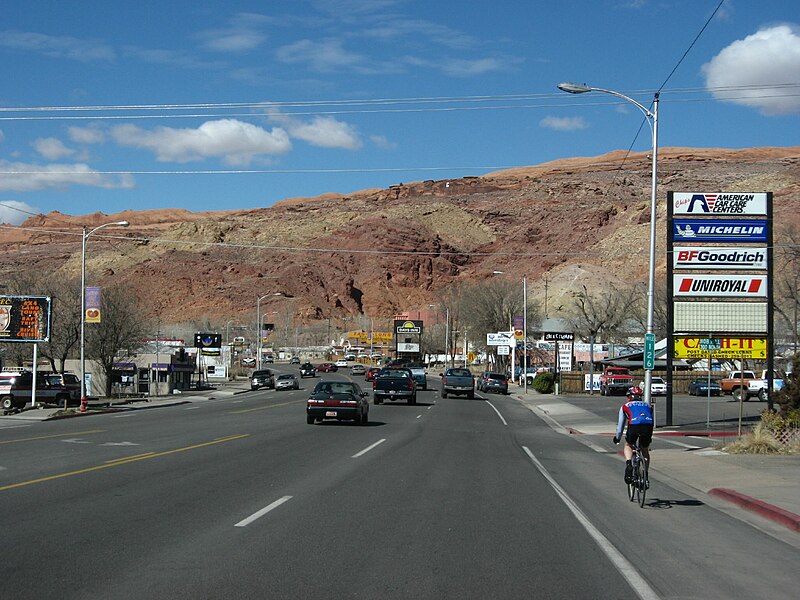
380 252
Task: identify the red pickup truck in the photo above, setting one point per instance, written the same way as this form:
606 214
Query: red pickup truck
615 380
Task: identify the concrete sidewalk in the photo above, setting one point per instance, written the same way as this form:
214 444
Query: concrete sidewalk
767 485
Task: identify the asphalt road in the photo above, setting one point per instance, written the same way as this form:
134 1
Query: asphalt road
455 498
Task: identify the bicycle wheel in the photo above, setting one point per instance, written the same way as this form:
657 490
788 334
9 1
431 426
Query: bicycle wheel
641 484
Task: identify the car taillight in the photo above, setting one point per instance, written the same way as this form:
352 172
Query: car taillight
411 384
374 384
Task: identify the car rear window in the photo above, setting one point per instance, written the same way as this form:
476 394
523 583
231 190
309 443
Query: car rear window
459 373
500 376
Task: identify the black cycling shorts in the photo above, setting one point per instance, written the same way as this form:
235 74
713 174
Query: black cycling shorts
643 432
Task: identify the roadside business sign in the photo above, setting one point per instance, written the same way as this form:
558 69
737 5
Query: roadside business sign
558 336
729 347
724 203
501 338
729 286
24 318
710 344
727 231
408 326
503 351
720 258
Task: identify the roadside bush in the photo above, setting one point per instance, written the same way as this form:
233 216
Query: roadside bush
761 441
544 383
789 397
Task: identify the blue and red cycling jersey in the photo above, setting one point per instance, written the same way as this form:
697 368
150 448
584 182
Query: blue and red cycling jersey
635 412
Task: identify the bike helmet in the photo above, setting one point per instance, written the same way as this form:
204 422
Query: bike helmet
635 392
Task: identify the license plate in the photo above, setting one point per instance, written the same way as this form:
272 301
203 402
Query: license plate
392 391
330 413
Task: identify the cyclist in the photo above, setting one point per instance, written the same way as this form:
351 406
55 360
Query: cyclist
638 414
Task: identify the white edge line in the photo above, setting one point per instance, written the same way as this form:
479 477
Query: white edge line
498 412
368 448
639 586
262 512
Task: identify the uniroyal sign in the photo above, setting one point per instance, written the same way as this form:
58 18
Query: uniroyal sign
690 203
740 286
685 230
715 257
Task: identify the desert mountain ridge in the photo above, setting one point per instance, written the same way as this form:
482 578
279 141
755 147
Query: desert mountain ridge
380 252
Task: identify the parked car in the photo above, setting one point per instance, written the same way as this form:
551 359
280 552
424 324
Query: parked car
16 390
308 370
68 380
658 387
371 373
340 400
327 367
295 360
341 363
262 378
350 356
491 381
700 387
358 369
287 381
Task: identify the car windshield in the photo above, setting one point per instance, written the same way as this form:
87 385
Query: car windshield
458 373
285 376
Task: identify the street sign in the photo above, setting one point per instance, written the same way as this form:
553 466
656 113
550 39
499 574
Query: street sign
649 351
501 338
710 344
503 351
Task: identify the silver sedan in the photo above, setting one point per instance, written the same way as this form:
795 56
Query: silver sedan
287 381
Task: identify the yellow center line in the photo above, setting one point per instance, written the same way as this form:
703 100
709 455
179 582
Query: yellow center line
131 457
247 410
123 461
57 435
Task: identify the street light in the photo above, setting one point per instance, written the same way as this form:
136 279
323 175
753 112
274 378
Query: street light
524 329
652 121
84 238
259 331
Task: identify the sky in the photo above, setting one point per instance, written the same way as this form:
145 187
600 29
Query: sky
109 106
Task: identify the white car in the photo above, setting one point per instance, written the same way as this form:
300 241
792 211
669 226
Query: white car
658 387
341 363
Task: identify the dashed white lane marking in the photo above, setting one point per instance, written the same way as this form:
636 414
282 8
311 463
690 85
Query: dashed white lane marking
368 448
192 408
498 412
638 584
262 512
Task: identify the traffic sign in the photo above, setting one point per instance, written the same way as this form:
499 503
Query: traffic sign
649 351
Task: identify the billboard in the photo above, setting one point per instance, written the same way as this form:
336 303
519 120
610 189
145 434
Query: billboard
729 203
730 347
729 286
716 257
408 326
24 318
210 344
501 338
705 230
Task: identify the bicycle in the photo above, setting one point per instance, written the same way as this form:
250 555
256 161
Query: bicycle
637 489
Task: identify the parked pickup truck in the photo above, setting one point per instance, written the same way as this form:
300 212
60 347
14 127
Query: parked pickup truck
744 385
615 380
394 383
458 382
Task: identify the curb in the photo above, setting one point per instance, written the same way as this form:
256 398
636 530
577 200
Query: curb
774 513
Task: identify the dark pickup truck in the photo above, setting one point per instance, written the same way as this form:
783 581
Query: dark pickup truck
458 382
394 383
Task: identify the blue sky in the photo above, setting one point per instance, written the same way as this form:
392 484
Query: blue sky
109 106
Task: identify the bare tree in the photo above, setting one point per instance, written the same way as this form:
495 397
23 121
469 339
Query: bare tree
786 276
120 332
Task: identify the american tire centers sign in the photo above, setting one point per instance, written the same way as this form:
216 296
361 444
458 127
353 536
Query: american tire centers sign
719 271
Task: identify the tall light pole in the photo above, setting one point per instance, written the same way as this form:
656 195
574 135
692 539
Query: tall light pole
259 331
524 329
652 120
85 236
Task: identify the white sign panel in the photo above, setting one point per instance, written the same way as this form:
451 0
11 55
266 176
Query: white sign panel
724 203
718 258
721 317
565 357
502 338
406 347
727 286
503 351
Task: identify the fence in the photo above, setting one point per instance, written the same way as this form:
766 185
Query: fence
572 382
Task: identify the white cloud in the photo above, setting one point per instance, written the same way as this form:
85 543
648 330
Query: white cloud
382 142
52 148
86 135
57 46
461 67
25 177
755 68
13 212
237 143
563 123
324 56
325 132
241 35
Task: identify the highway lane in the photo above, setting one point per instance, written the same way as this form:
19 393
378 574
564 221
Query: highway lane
241 498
